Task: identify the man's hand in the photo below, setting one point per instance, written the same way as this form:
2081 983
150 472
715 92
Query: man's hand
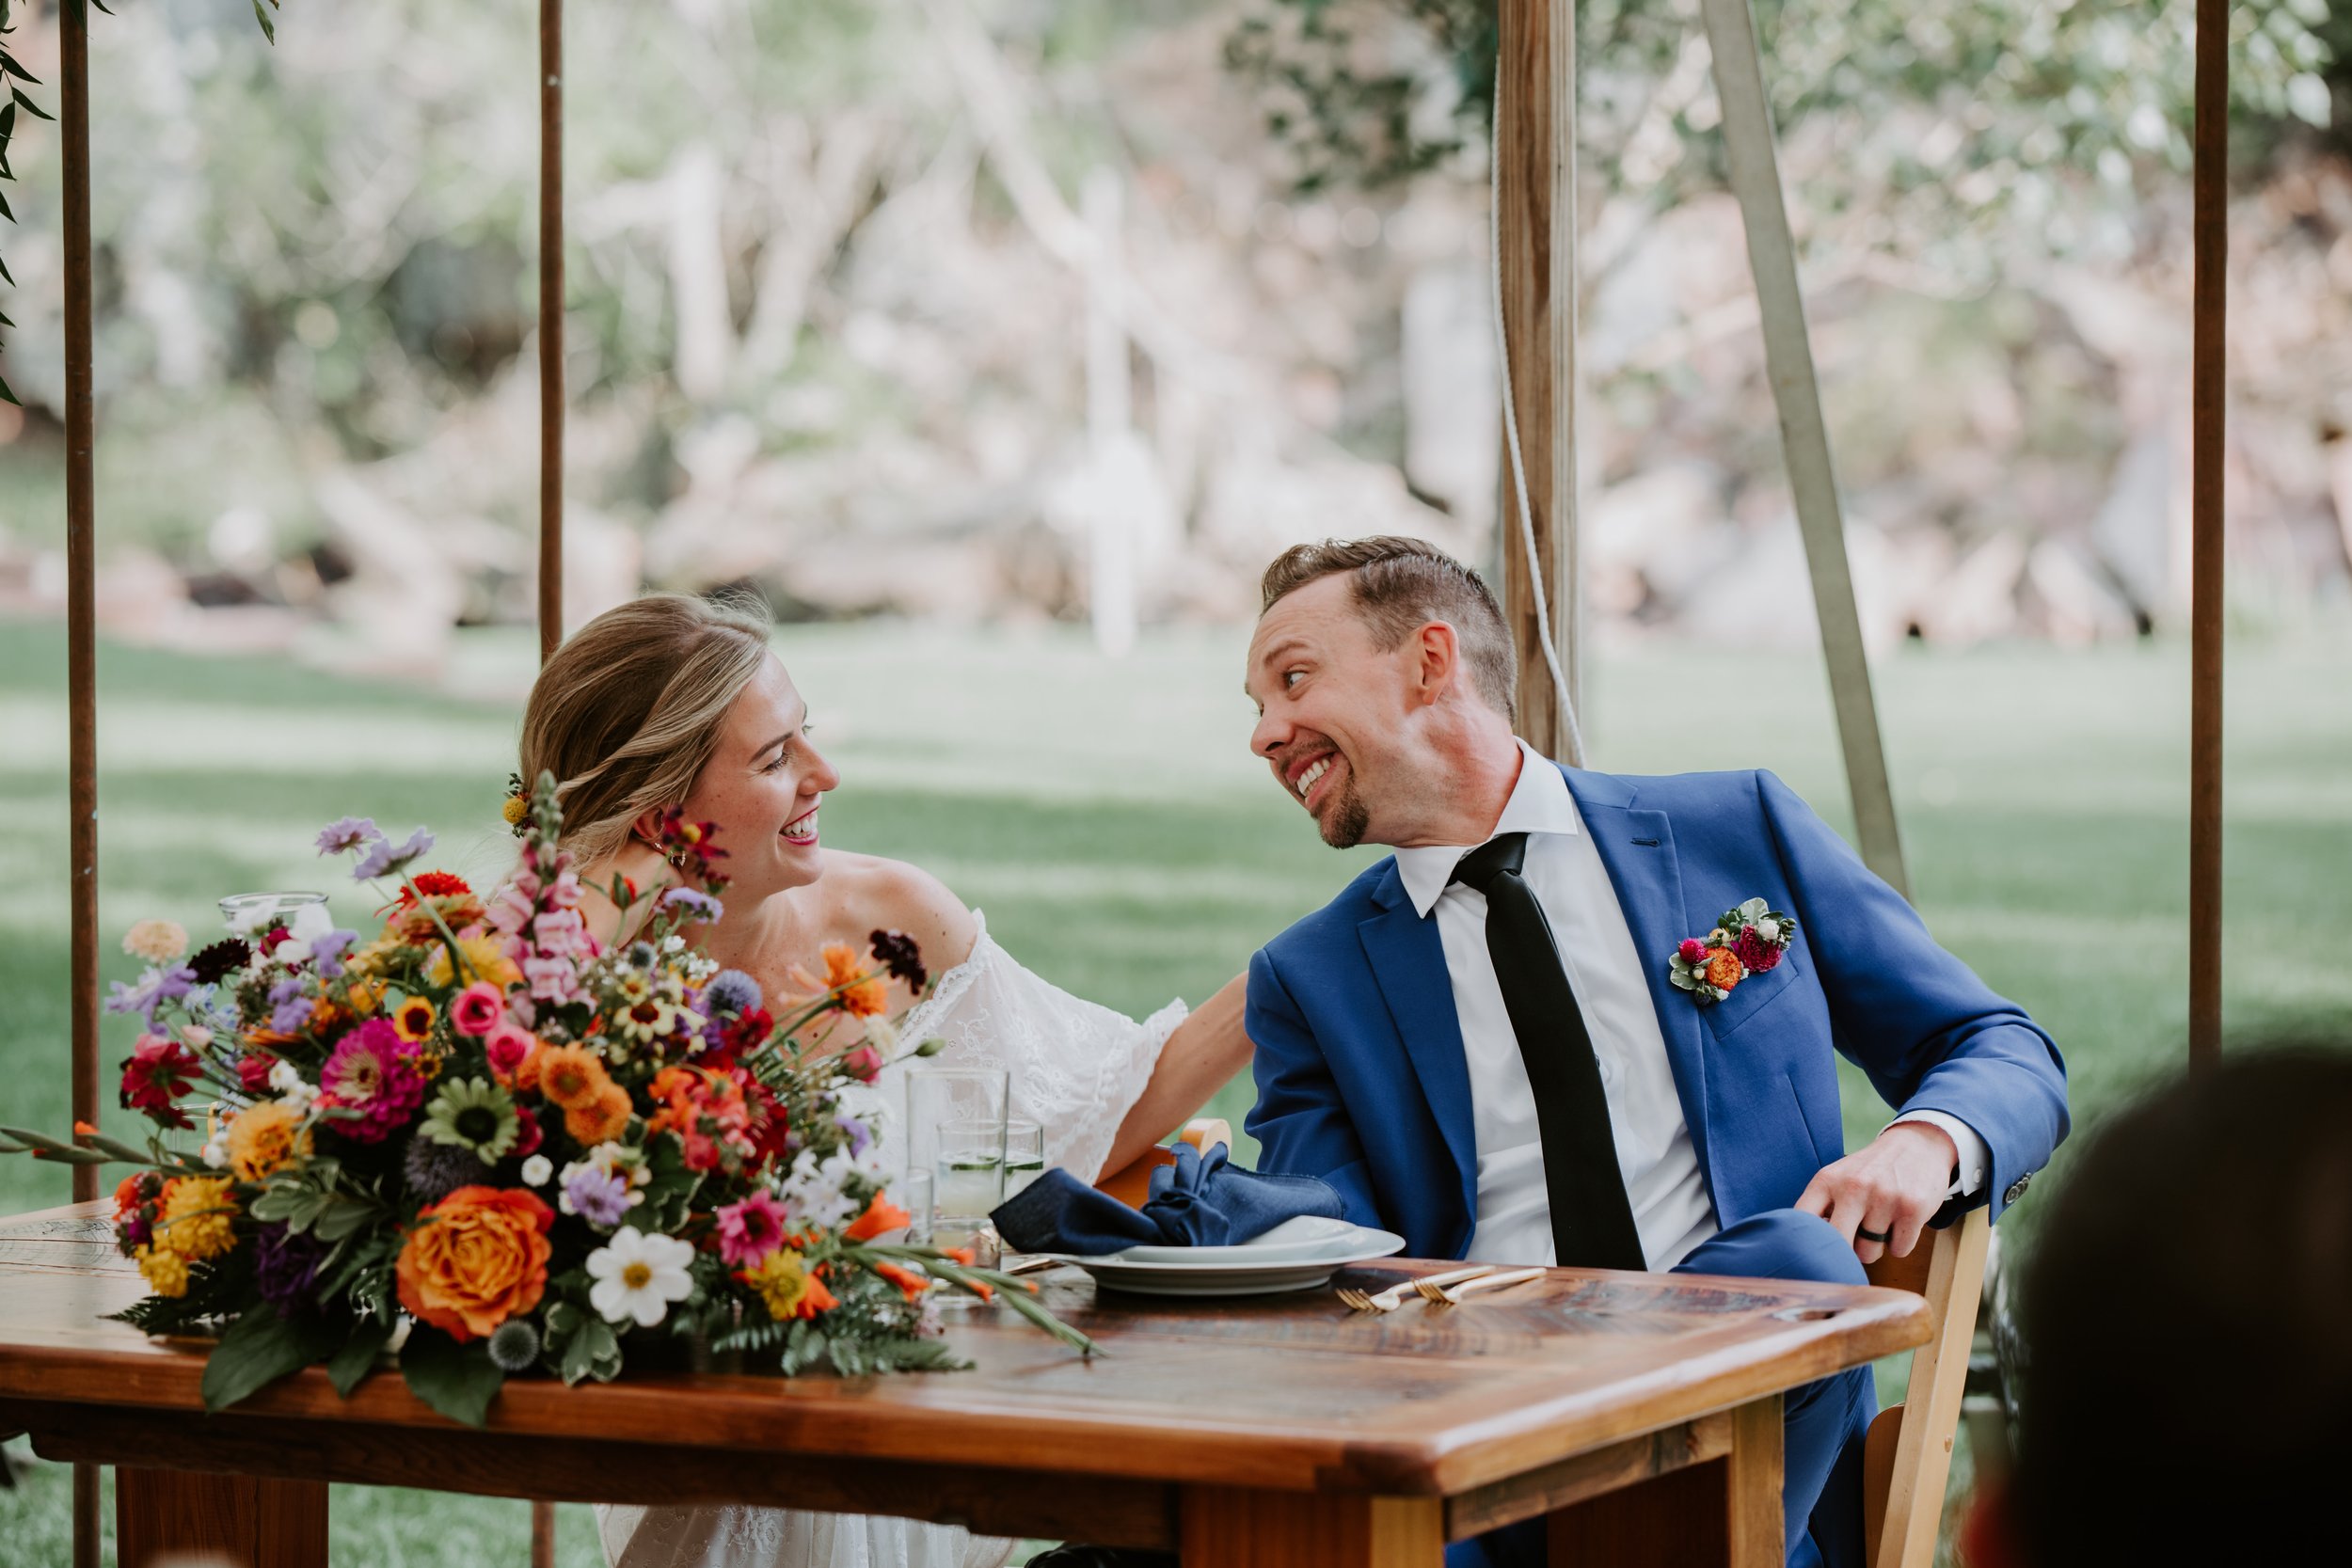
1892 1188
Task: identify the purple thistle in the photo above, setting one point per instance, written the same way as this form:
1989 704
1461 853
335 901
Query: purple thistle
731 991
437 1170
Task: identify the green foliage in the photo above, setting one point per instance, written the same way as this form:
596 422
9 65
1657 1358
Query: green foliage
459 1381
1984 103
260 1348
350 1366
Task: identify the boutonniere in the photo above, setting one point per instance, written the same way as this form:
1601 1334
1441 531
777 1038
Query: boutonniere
1746 941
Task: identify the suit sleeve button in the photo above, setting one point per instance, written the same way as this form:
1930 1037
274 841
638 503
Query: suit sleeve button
2017 1188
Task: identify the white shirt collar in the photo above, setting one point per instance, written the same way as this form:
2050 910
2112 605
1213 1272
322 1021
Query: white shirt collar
1539 804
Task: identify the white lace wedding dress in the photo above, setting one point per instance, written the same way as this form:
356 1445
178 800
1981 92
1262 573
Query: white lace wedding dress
1076 1068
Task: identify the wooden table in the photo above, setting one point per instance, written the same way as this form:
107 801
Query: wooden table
1640 1412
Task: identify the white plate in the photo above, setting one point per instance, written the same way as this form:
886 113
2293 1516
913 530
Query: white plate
1227 1276
1295 1241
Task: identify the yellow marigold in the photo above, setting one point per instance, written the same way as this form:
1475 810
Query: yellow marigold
571 1076
165 1271
784 1284
486 959
1723 968
195 1216
266 1136
602 1119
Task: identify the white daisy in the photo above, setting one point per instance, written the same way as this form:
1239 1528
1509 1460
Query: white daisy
638 1275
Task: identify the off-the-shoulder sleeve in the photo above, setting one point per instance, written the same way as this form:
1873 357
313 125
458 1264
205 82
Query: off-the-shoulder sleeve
1077 1066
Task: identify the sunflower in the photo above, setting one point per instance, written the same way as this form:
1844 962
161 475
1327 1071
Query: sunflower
475 1114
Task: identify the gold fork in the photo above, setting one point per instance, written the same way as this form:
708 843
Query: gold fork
1393 1297
1440 1299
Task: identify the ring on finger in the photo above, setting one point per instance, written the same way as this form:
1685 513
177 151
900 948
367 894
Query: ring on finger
1880 1236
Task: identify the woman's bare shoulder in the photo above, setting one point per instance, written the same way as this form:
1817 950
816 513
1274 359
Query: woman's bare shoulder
871 892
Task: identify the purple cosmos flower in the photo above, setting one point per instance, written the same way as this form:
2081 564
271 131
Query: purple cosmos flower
856 1132
384 857
698 906
151 990
348 833
599 1197
286 1268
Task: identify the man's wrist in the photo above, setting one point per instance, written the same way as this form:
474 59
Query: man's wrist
1946 1150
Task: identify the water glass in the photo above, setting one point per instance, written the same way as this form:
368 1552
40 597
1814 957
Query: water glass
246 914
956 1132
1024 1155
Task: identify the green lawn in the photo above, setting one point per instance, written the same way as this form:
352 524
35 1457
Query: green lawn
1108 819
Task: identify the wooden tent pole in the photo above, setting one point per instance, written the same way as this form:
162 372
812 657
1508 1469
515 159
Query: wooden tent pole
550 325
2209 307
1754 170
81 619
1534 153
550 437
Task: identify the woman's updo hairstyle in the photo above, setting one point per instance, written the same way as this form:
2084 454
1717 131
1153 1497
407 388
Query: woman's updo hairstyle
629 710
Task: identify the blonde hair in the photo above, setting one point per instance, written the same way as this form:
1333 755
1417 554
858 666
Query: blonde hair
628 712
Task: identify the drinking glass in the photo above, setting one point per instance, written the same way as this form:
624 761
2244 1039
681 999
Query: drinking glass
912 1193
956 1131
249 913
1024 1155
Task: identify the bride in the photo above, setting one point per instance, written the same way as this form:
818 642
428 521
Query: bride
676 701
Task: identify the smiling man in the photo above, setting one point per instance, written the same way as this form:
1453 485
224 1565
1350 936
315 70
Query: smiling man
1592 1020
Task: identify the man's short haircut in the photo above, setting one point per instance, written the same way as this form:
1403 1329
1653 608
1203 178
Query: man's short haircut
2187 1321
1401 585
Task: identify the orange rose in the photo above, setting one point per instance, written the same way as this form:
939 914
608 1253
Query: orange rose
1723 968
605 1116
474 1259
571 1076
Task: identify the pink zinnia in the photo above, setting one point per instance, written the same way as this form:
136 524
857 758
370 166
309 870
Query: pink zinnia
1755 952
477 1009
749 1230
371 1073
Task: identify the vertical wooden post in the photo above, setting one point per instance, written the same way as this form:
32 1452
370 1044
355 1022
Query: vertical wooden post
1755 172
550 437
81 620
1534 150
2207 409
550 325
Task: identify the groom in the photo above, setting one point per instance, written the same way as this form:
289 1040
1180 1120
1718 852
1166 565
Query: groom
1481 1043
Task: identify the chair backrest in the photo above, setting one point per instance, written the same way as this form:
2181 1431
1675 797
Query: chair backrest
1908 1456
1132 1186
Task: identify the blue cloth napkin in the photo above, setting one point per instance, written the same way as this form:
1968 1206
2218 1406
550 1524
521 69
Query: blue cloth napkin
1200 1200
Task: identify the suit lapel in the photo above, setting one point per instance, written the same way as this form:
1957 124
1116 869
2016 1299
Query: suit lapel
1408 961
1637 848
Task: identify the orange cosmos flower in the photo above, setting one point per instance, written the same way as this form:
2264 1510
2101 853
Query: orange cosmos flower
866 998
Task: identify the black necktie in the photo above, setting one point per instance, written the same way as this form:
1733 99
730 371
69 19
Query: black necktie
1592 1222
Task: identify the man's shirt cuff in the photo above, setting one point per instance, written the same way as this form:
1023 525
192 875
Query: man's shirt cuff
1976 1155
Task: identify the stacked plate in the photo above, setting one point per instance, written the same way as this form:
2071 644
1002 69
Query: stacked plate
1296 1254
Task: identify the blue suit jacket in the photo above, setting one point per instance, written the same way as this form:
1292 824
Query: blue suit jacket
1360 1054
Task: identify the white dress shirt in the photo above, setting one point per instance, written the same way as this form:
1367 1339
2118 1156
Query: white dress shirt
1672 1208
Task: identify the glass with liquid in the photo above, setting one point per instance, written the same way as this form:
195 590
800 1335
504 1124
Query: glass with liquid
956 1126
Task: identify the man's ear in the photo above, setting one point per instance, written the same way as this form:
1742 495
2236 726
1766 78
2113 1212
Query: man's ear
1437 661
1988 1538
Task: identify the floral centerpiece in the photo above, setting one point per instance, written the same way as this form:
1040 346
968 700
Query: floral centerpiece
481 1142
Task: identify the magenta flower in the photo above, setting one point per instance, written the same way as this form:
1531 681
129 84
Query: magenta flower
749 1230
506 1049
477 1009
372 1072
1693 951
1755 952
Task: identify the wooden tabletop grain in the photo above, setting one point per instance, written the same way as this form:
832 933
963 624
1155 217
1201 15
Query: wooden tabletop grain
1288 1392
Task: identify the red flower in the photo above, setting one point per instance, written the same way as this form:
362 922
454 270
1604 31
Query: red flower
1755 952
270 938
253 1070
746 1032
528 1138
434 885
160 1071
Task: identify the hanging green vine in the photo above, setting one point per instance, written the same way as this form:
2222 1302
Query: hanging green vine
15 78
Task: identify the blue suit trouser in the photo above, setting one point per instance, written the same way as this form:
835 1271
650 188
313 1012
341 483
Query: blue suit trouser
1821 1454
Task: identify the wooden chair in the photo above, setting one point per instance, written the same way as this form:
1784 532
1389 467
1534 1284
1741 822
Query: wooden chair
1908 1455
1132 1186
